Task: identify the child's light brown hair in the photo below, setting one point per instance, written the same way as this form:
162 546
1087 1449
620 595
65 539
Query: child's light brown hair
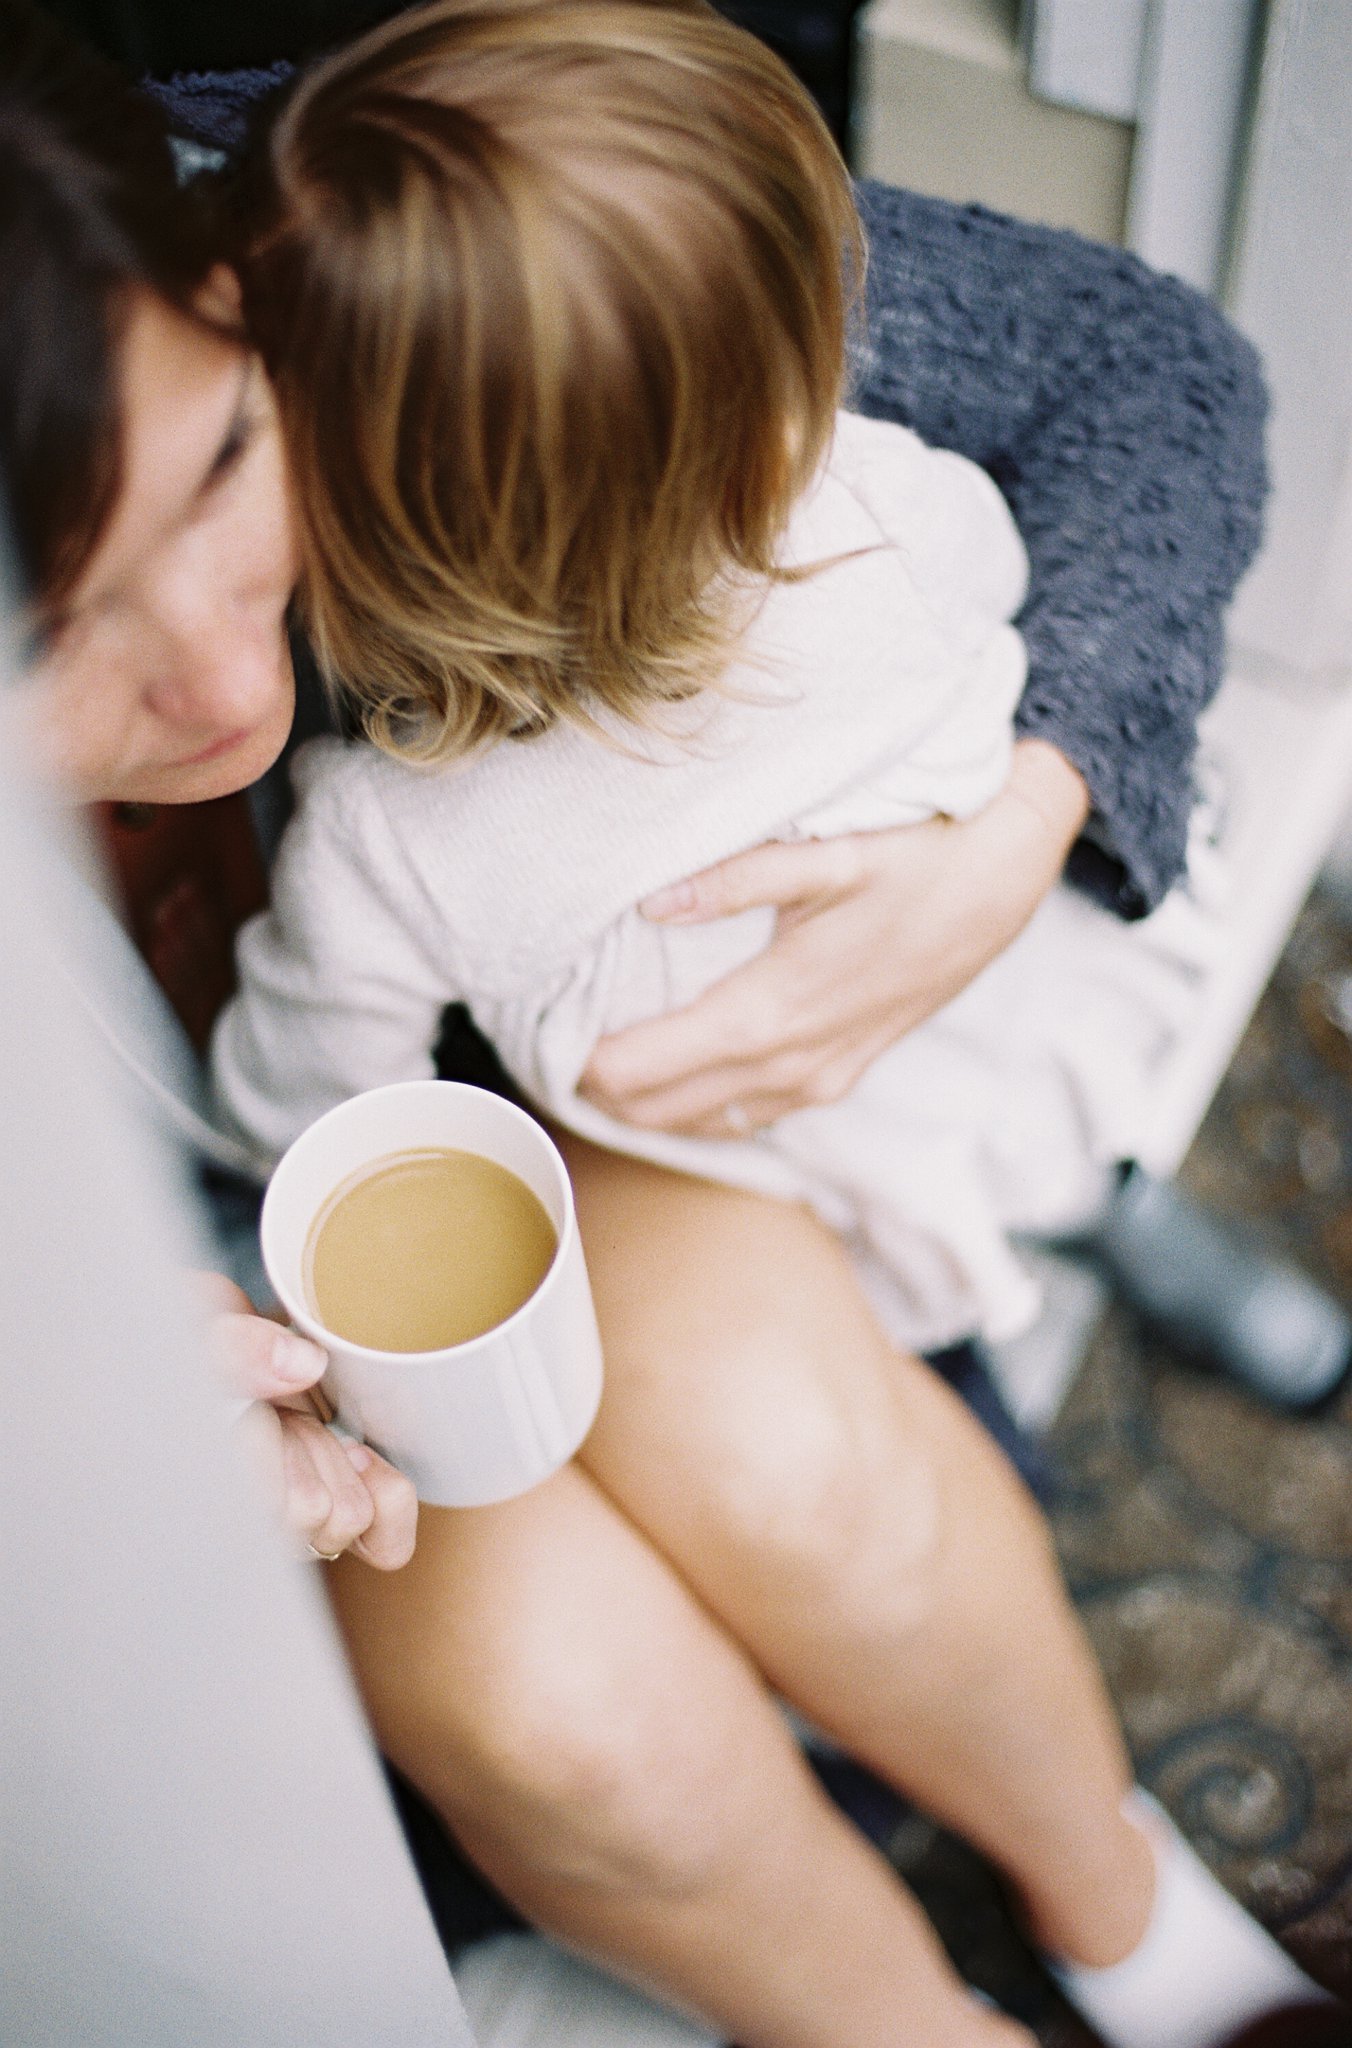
554 293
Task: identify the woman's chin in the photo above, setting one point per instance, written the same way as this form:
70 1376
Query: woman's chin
230 765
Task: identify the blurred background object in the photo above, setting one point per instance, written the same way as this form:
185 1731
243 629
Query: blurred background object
1125 119
198 1846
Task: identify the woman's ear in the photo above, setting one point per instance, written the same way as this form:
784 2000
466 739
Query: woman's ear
219 298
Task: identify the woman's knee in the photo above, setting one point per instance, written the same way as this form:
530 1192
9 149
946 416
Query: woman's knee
821 1483
586 1775
751 1416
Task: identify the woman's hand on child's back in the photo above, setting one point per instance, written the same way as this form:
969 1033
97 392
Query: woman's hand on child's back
334 1496
876 931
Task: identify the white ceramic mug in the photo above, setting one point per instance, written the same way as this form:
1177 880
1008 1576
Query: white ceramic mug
478 1421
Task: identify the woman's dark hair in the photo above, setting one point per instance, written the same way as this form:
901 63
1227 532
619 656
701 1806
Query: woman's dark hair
90 213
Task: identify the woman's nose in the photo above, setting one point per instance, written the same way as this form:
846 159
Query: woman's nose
221 682
221 648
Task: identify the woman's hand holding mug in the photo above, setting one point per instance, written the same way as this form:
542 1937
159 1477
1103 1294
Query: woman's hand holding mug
336 1496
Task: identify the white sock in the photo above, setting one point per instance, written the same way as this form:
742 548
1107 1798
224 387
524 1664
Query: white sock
520 1991
1203 1968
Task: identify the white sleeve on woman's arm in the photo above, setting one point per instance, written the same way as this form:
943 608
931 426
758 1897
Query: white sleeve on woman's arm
339 988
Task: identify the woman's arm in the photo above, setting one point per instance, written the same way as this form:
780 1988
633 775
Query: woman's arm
1122 417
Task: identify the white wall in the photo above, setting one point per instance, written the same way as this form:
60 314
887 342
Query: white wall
1292 293
1193 104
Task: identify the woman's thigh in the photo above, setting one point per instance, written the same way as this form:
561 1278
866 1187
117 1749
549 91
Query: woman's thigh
532 1670
749 1391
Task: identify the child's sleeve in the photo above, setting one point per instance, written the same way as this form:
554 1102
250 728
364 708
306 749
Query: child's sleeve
342 986
1122 416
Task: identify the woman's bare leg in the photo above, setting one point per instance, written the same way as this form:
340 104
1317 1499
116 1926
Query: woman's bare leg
614 1764
858 1533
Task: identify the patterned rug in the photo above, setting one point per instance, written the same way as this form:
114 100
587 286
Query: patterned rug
1208 1542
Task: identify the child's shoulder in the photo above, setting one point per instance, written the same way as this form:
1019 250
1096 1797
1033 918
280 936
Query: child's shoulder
890 462
349 794
942 511
858 438
355 778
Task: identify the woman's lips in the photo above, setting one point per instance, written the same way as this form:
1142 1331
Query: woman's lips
218 747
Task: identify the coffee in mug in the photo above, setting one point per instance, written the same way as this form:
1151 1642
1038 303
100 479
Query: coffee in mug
425 1249
433 1192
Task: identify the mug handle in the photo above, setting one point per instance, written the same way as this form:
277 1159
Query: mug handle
317 1395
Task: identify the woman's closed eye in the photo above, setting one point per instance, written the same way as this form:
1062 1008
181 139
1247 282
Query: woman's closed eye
242 433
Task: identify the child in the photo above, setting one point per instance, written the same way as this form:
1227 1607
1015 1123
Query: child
604 557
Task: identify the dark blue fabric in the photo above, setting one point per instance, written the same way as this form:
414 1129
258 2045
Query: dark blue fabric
215 109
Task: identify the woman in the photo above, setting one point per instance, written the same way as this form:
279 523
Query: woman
581 1685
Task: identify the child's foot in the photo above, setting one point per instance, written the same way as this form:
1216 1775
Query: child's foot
1203 1968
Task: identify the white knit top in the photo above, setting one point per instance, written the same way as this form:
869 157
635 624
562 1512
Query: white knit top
877 691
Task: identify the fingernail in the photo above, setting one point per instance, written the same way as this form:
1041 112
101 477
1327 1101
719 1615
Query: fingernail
297 1359
359 1457
676 901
